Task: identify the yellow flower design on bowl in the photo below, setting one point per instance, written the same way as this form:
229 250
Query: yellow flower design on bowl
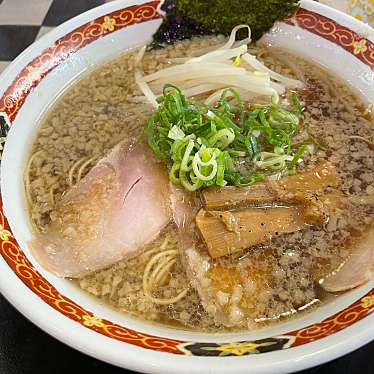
4 234
368 302
91 321
240 348
33 73
363 10
359 46
109 23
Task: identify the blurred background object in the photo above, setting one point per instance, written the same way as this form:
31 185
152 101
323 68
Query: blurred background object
363 10
342 5
24 21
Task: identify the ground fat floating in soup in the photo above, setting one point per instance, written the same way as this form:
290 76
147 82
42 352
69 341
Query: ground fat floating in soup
255 284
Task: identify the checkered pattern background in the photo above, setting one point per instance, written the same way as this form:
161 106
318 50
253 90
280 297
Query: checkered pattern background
24 21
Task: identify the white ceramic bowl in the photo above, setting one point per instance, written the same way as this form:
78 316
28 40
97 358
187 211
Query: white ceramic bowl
32 82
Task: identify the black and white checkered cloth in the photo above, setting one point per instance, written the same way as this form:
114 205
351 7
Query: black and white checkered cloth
24 21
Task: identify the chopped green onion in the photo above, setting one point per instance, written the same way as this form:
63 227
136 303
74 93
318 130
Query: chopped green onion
188 184
270 160
297 156
204 145
186 165
176 133
222 138
221 166
174 173
298 109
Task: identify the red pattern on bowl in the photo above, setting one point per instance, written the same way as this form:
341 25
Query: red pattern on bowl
13 99
342 36
37 69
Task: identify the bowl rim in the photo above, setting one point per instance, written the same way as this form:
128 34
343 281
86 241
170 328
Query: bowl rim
157 362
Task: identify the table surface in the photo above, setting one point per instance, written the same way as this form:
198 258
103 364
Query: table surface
24 348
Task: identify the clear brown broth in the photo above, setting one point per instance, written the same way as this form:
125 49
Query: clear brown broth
101 109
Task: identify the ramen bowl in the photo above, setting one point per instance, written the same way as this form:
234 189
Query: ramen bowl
337 42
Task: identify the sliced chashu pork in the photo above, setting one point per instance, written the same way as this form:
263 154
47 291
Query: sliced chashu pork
121 205
357 269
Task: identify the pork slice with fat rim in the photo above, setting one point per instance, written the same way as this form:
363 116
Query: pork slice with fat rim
357 269
118 207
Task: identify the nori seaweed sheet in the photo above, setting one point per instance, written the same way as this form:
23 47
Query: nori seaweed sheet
175 27
260 16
